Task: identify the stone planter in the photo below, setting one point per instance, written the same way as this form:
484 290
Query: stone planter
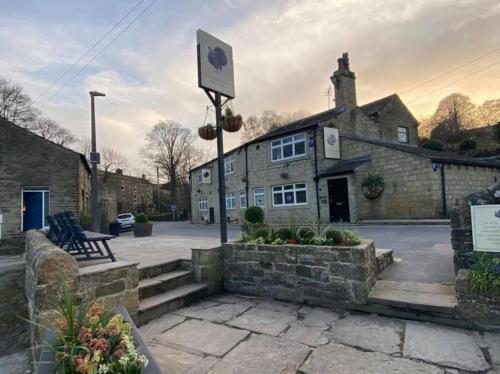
143 229
482 309
318 275
46 363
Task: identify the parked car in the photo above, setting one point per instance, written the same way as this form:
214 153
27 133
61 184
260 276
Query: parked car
126 220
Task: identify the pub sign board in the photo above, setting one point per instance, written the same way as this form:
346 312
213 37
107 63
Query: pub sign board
486 227
215 64
331 142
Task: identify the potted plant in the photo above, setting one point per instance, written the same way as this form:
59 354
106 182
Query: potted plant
207 132
373 186
230 122
88 339
142 226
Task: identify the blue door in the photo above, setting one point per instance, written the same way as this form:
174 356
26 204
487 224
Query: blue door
33 212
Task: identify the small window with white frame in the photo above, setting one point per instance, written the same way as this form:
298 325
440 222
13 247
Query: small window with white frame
123 188
231 200
288 147
203 203
289 195
229 165
403 134
258 197
243 199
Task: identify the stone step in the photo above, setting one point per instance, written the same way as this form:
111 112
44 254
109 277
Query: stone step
164 282
384 258
169 301
416 296
150 271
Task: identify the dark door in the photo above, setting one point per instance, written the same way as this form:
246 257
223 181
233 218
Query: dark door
338 195
33 210
212 215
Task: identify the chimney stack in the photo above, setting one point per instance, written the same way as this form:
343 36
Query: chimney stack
119 171
343 80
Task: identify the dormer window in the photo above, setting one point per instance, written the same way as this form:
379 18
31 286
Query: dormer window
288 147
403 135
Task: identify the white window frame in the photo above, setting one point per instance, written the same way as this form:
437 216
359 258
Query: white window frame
255 194
279 144
406 134
294 190
243 199
200 176
231 200
123 188
43 191
203 204
229 167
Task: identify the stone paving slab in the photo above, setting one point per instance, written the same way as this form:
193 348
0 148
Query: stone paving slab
369 332
263 354
490 341
15 363
173 361
444 346
340 359
318 317
312 336
218 313
236 299
264 321
159 325
278 306
203 337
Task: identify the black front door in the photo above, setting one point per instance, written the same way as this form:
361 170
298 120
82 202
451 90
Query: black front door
338 198
212 215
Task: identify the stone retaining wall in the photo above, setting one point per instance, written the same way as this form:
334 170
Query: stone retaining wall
110 284
317 275
479 308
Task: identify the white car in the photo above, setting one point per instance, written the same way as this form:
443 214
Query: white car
126 220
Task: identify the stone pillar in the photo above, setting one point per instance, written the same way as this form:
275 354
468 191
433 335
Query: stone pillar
208 267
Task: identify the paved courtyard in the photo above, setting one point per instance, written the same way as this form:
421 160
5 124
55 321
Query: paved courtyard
423 253
230 333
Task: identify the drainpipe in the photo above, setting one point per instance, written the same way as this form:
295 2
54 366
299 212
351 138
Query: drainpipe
443 190
246 173
316 181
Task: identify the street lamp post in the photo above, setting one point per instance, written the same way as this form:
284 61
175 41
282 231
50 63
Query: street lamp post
94 160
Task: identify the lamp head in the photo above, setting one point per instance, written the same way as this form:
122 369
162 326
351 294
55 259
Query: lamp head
95 93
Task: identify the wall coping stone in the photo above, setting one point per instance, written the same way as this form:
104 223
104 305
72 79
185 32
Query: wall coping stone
100 268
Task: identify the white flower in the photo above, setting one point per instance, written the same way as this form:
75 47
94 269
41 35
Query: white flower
103 369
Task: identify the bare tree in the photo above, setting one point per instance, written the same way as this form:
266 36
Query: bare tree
269 120
112 160
52 131
84 146
171 147
15 104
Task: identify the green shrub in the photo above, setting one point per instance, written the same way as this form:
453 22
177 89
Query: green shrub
284 233
85 222
468 145
333 236
433 144
350 238
141 218
261 233
305 235
254 214
484 276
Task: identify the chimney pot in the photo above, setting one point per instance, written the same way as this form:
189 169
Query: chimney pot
119 171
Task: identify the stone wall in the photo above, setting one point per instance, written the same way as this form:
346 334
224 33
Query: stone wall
208 267
110 284
481 309
326 276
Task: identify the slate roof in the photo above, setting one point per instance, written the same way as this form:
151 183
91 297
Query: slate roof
435 156
377 105
345 166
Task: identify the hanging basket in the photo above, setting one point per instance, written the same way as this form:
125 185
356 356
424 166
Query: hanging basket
207 132
373 186
232 123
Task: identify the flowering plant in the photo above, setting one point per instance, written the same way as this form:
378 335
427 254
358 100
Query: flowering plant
91 340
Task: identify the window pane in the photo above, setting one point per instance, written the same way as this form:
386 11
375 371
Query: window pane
301 185
46 207
289 199
299 137
276 143
301 197
288 187
278 199
288 150
277 188
300 148
276 153
287 140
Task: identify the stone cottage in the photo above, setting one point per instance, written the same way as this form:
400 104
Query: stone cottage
37 178
347 164
124 193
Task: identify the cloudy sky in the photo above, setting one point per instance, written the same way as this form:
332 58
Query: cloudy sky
284 51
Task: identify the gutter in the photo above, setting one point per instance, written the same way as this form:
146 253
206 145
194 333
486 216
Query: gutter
246 174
